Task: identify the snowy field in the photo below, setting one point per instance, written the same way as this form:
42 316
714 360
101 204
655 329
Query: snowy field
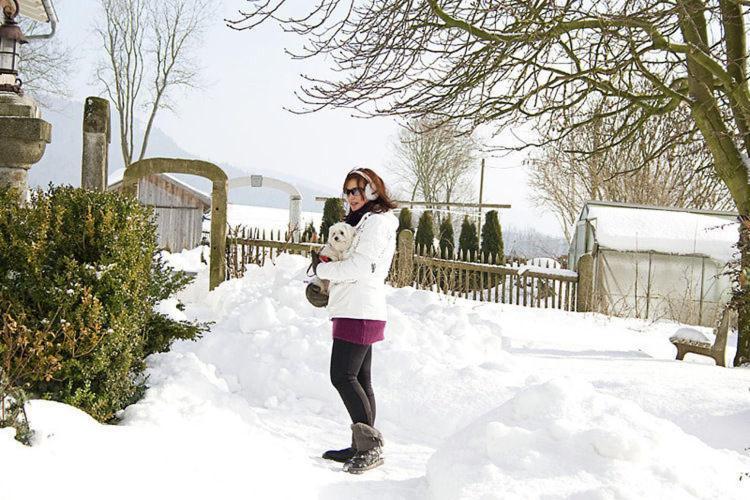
475 400
265 218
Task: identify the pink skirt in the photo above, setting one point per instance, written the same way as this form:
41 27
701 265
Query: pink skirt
358 331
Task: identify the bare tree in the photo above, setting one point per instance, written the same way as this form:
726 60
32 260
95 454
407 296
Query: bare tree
434 161
515 60
148 49
45 65
665 163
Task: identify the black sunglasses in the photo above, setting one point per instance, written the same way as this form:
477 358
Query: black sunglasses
354 192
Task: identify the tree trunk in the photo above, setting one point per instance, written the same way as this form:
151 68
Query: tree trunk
728 161
743 311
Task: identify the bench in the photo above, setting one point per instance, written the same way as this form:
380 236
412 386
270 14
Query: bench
691 340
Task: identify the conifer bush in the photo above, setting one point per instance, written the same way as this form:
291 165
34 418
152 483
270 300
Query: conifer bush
333 212
310 234
468 241
492 239
78 286
446 239
424 239
405 220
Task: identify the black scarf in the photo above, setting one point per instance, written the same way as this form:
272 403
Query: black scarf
353 217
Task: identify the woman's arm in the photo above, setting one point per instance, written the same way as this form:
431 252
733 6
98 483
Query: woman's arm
361 263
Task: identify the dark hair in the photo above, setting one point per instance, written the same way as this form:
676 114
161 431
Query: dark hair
383 202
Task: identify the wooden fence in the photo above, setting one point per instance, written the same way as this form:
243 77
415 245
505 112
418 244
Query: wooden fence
488 281
253 246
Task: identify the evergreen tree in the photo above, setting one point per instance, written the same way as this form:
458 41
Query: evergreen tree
468 241
333 212
310 234
492 238
446 239
405 220
425 232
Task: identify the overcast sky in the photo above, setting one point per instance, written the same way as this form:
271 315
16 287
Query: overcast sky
237 115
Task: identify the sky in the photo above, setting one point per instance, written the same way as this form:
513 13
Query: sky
237 115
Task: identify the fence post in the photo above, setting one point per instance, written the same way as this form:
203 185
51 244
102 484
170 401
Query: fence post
585 289
405 262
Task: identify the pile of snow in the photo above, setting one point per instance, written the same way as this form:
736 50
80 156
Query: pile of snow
191 261
565 439
691 335
475 400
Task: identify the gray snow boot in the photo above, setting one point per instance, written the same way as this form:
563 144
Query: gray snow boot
369 445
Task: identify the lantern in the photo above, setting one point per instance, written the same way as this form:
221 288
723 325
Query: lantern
11 38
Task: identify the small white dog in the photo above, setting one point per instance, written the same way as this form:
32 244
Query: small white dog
338 246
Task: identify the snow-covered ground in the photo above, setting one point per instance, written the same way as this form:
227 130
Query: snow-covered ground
264 218
476 401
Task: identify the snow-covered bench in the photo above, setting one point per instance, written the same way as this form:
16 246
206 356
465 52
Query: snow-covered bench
690 340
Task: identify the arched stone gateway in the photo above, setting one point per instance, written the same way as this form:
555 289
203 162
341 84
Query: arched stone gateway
295 198
218 179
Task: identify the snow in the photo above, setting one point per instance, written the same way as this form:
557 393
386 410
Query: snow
567 273
264 218
607 447
475 400
691 335
667 231
116 176
545 262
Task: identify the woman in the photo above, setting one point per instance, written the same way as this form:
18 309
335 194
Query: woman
357 308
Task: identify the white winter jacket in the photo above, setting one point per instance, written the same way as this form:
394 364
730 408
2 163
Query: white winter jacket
357 287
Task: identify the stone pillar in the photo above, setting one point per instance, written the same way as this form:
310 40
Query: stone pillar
585 290
295 217
23 139
96 139
218 265
405 262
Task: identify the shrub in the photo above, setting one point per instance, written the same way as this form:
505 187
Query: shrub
468 241
78 287
492 239
446 239
310 234
405 220
424 239
333 212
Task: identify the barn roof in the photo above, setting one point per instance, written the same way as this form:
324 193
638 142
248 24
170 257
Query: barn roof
115 179
643 228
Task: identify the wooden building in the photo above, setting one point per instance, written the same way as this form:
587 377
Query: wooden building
179 208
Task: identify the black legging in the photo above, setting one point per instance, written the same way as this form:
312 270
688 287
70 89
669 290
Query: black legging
350 375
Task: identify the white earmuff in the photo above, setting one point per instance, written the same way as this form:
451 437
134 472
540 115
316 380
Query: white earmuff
370 193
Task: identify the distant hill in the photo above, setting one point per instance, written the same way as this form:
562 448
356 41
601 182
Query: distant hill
61 163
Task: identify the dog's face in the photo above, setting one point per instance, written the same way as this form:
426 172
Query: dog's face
340 236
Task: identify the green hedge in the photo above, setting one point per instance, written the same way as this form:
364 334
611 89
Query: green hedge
404 220
492 239
78 284
425 236
447 244
333 212
468 240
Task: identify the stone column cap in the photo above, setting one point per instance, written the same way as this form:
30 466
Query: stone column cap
14 105
26 129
